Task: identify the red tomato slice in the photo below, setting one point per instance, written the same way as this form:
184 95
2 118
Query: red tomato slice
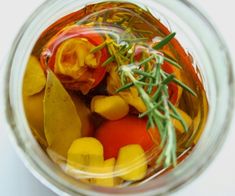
75 32
129 130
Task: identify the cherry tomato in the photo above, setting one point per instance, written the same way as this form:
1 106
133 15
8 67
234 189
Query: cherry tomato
129 130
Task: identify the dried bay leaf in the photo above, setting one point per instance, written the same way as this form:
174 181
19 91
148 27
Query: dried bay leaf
62 124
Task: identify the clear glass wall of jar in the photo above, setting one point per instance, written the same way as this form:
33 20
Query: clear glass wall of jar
195 32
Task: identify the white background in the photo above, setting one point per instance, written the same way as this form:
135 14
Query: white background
15 179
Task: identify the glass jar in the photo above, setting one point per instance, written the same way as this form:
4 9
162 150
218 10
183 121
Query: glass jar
195 33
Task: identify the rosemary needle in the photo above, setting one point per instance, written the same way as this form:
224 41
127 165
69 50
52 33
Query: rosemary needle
109 60
98 48
165 41
172 62
181 84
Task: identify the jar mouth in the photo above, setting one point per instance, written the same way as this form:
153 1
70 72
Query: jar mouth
204 151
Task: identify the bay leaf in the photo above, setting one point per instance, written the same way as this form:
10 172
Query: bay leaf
62 124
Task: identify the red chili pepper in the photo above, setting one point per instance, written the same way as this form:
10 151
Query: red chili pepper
173 89
49 54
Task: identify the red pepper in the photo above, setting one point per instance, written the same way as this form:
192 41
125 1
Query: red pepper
173 89
48 55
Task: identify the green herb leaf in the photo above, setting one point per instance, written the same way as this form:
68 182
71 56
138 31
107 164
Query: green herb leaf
143 73
98 48
168 79
172 62
146 60
165 41
177 116
109 60
184 86
124 87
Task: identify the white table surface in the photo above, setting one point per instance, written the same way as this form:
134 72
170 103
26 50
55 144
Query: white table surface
15 179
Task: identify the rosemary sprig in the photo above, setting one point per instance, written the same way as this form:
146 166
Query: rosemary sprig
160 110
146 76
157 118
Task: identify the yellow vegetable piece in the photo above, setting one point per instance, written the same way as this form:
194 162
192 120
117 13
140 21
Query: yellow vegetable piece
108 180
131 162
33 106
84 113
62 124
130 96
34 79
86 154
107 171
110 107
177 124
